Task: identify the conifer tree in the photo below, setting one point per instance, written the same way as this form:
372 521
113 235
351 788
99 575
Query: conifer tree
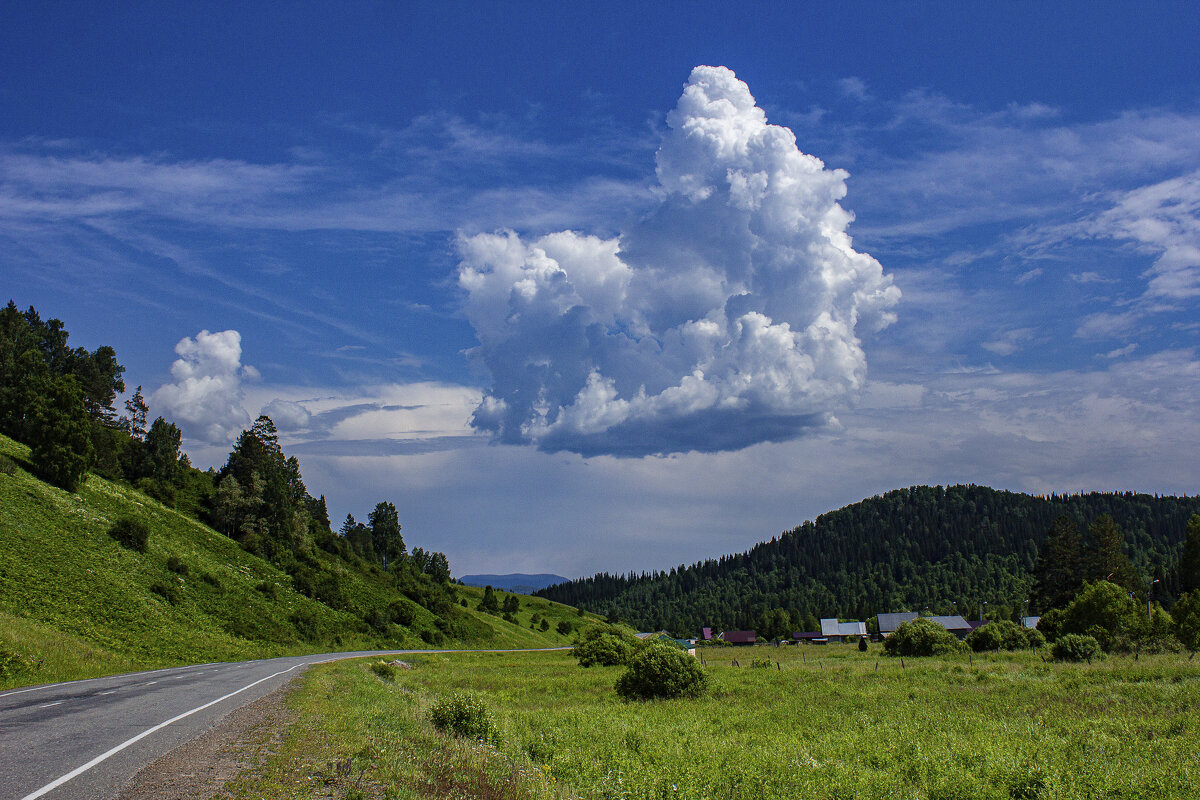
1189 560
1059 571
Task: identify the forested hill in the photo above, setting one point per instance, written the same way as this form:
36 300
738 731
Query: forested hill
925 546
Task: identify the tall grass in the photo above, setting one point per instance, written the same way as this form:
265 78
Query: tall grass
825 723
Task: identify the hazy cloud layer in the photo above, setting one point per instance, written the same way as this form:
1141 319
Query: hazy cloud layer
205 398
727 316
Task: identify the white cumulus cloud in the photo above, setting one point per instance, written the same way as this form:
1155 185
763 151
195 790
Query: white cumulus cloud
727 316
205 397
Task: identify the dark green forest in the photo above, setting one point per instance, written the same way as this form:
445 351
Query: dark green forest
947 549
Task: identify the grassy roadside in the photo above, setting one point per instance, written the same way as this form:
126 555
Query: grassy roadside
824 723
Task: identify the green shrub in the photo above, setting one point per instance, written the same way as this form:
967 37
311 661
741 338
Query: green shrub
1003 634
862 644
564 628
1076 647
1106 612
268 590
604 646
921 637
168 592
466 715
385 671
661 671
175 564
131 534
7 465
13 664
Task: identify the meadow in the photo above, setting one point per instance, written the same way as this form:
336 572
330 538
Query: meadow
813 722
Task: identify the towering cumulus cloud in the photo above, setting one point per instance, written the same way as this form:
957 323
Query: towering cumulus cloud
206 395
726 317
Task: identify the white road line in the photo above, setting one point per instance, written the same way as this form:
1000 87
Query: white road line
110 691
55 703
102 678
151 683
84 768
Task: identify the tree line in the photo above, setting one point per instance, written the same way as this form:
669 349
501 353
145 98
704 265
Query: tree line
968 550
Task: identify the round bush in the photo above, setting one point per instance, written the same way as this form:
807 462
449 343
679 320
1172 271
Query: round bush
464 714
921 637
1076 647
604 645
660 670
131 533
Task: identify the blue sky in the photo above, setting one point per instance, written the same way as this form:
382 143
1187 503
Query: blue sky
573 304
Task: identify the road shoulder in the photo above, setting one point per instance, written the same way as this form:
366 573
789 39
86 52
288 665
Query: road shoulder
241 742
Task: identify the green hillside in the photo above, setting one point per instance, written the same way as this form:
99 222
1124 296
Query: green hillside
75 603
949 549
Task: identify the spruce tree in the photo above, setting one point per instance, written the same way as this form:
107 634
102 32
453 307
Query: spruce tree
1059 571
1189 561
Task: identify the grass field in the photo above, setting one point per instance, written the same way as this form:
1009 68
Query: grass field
816 723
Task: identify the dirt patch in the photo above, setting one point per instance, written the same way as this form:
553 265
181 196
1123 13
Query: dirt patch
242 742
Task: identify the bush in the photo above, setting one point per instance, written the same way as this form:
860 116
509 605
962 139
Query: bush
1106 612
564 628
604 645
662 671
385 671
13 664
1003 635
167 592
175 564
465 714
1076 647
131 534
921 637
862 644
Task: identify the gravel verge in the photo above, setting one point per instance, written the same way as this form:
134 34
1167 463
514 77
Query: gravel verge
240 742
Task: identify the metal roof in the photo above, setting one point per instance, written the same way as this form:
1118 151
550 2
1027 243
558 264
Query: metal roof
952 623
739 637
889 622
831 627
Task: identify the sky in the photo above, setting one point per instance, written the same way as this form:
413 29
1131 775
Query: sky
586 287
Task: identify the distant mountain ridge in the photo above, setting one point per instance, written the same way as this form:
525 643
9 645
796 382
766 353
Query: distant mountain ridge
948 548
518 582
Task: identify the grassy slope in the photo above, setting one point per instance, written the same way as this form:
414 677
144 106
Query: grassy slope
76 604
827 723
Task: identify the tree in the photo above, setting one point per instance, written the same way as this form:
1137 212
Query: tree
1058 574
227 505
1106 557
511 604
162 452
137 411
489 603
385 533
1189 560
59 435
1186 615
1106 612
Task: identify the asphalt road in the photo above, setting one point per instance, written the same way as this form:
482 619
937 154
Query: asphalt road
84 740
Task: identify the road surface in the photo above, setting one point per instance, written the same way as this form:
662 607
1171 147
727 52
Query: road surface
84 740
